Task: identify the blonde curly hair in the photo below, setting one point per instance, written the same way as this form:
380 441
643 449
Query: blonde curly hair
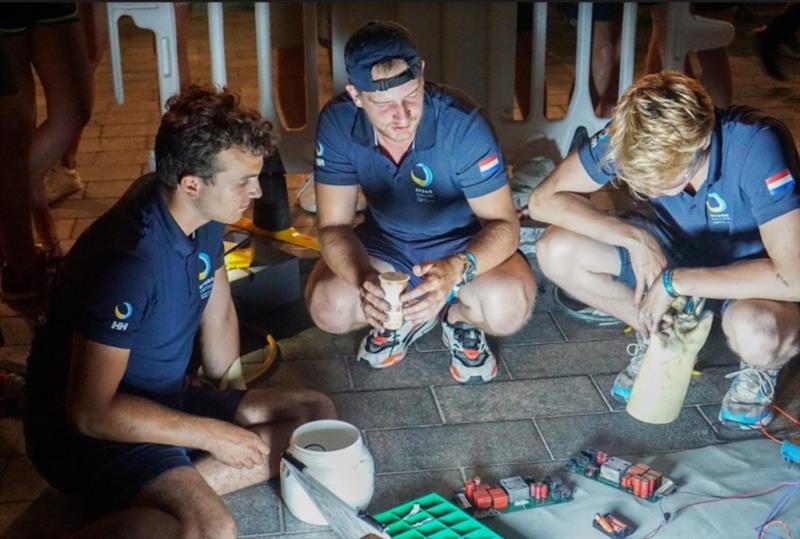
661 124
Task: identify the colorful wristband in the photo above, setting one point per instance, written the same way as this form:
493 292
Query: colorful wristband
666 280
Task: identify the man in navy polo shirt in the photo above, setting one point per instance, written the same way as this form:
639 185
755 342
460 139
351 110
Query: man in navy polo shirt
439 210
108 414
723 186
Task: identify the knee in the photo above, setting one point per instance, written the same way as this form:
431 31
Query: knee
211 525
331 312
752 333
554 252
506 312
315 405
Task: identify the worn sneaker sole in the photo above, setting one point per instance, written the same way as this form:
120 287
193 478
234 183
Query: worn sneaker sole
467 375
732 423
395 358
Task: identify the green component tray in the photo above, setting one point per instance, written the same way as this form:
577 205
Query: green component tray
437 518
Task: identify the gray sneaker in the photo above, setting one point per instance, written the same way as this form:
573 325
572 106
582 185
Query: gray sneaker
749 399
623 383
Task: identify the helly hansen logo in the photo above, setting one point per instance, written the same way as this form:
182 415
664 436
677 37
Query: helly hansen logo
119 326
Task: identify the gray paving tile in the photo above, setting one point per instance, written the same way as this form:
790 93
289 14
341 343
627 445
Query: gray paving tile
314 343
416 369
564 359
519 399
539 329
715 351
394 489
322 374
50 515
492 474
256 509
618 433
16 330
387 408
21 482
780 426
577 330
293 524
432 448
12 441
708 387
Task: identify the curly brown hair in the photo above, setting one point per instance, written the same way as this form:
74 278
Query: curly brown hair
201 122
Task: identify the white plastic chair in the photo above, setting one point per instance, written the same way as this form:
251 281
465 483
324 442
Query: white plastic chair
687 33
159 17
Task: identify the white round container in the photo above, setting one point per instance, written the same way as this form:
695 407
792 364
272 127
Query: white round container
336 456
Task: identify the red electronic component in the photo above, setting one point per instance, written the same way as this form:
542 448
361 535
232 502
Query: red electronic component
483 500
499 498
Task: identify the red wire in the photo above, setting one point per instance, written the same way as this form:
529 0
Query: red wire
782 412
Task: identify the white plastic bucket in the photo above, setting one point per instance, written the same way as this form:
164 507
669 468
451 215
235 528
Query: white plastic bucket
336 456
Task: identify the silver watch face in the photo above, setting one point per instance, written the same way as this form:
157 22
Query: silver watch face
468 274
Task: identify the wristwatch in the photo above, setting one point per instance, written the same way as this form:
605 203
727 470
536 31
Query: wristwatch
469 269
468 272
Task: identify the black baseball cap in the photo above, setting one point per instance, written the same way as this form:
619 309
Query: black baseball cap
375 42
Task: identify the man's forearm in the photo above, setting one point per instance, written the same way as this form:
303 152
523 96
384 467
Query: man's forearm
134 419
577 214
219 342
495 243
756 279
344 254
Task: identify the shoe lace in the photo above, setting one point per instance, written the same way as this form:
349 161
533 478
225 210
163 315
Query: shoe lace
469 337
309 183
752 381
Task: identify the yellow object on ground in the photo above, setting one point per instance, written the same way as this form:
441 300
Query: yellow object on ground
287 235
247 368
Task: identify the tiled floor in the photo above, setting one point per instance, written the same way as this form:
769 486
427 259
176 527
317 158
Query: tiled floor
424 431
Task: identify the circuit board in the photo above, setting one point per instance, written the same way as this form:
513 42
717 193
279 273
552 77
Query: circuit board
539 494
637 480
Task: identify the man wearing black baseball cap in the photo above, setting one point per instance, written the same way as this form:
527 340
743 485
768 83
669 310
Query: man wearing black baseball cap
439 210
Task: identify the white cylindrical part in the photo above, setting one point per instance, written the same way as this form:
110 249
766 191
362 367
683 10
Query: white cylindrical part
393 284
335 455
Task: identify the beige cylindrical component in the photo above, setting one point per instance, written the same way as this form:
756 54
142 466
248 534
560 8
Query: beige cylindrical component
663 380
393 284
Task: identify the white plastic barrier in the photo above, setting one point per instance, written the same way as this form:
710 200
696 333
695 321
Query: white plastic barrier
159 17
470 45
687 33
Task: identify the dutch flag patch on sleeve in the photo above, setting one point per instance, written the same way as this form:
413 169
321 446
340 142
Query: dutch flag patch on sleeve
488 165
780 182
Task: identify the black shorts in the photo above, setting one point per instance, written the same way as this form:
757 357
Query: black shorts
18 17
108 475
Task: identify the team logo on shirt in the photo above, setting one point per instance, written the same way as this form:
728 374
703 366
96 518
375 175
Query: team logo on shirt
205 277
320 151
488 165
779 183
715 203
122 311
206 260
716 207
598 137
422 174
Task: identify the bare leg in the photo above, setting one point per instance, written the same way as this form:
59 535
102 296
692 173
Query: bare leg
585 268
764 333
499 301
94 20
58 53
658 33
183 14
273 414
716 75
335 305
605 66
16 233
178 503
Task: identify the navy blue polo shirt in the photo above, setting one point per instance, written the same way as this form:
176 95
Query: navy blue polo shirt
134 280
751 180
454 157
